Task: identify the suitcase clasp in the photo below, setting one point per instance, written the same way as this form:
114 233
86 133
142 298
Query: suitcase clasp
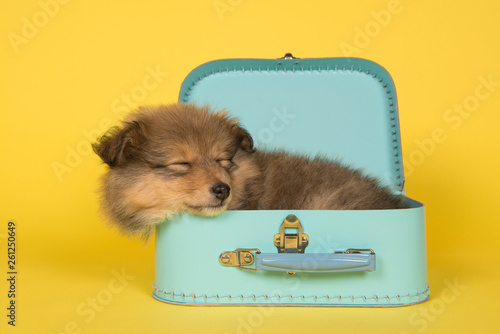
291 242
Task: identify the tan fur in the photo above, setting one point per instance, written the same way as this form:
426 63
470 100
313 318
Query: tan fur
169 159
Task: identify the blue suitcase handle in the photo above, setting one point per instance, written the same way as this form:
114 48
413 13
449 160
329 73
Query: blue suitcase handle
315 263
353 259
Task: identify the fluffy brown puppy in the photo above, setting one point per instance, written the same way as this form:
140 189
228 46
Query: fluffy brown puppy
173 158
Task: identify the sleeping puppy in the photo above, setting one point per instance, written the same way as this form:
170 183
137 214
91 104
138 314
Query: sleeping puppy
173 158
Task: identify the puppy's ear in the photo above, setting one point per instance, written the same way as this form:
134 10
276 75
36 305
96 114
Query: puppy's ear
119 145
246 141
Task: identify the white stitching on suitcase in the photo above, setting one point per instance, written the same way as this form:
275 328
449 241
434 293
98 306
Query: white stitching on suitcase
314 297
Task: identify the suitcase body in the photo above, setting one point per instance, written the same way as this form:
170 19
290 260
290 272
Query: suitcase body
343 108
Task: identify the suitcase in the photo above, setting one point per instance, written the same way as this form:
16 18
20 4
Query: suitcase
338 107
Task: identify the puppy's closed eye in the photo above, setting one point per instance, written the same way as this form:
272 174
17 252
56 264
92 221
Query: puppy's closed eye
180 166
175 168
227 164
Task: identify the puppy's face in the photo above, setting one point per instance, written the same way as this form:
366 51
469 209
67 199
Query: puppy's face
194 173
175 158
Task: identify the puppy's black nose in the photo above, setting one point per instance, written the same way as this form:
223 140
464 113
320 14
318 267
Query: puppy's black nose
221 190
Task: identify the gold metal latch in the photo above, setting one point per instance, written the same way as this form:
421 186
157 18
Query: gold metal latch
239 258
294 242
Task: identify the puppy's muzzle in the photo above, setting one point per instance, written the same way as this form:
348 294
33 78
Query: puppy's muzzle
221 191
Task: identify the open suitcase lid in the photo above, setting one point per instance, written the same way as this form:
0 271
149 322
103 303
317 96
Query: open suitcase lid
341 108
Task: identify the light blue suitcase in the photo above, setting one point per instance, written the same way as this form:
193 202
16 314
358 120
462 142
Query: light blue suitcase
338 107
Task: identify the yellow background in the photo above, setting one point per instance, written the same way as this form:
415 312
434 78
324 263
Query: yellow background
66 69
